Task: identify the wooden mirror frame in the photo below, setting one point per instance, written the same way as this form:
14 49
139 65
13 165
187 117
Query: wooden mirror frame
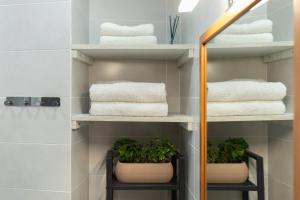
296 135
222 23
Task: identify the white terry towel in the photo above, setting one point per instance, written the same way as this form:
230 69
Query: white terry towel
129 92
246 90
134 40
244 39
259 26
129 109
111 29
245 108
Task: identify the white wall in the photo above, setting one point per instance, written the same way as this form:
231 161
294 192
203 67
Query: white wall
35 61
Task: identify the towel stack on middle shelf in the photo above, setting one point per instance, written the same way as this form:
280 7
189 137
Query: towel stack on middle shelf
133 99
259 31
113 34
246 97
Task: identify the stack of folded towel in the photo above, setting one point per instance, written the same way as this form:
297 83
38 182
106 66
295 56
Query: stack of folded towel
245 97
129 99
113 34
257 32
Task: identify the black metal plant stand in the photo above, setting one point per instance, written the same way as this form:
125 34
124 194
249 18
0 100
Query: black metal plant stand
176 186
248 185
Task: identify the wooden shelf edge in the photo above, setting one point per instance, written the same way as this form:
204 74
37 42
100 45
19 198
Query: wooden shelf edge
183 120
285 50
279 56
186 54
284 117
189 55
77 55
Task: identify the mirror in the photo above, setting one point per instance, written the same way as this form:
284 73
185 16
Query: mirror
250 107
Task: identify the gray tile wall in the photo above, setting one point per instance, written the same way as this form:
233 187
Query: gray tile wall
193 25
80 104
35 61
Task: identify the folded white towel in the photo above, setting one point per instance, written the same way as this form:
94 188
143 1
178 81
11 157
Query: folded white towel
136 40
245 108
111 29
246 90
129 92
259 26
129 109
244 39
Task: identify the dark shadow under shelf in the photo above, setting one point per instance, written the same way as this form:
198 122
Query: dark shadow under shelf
144 186
247 186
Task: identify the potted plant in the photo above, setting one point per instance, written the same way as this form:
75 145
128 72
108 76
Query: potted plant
226 161
144 163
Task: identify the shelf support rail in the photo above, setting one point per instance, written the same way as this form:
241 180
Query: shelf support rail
82 57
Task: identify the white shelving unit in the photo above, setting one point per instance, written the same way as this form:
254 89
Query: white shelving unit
284 117
184 120
179 53
269 51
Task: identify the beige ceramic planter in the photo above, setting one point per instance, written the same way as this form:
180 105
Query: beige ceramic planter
144 172
227 173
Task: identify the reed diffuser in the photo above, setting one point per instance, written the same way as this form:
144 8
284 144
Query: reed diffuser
173 27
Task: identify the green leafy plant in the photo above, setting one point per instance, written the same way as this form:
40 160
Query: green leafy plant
213 153
232 150
155 151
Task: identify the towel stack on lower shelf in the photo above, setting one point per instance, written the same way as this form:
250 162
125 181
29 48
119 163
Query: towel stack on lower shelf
245 97
129 99
259 31
113 34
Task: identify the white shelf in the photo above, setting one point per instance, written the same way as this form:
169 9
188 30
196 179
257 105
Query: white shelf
179 53
267 50
284 117
184 120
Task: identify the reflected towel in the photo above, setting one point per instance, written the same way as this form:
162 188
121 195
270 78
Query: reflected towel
245 108
246 90
129 92
129 109
259 26
136 40
111 29
244 39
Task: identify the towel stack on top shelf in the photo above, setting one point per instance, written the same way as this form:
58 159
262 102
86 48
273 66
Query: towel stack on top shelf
245 97
113 34
257 32
129 99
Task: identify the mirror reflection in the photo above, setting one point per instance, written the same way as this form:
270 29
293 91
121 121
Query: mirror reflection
250 108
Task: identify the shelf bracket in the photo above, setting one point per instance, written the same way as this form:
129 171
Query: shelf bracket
279 56
82 57
75 125
187 126
188 55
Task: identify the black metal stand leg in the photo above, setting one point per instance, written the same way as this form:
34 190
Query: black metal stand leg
109 176
181 179
245 195
109 194
174 194
261 194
